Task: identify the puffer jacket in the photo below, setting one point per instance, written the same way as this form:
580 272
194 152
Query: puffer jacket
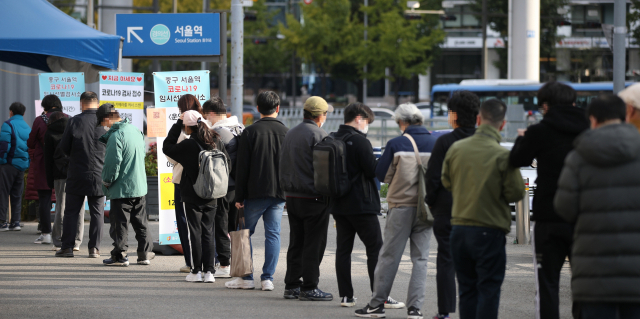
13 143
230 131
54 160
36 143
86 154
398 166
598 191
297 159
123 174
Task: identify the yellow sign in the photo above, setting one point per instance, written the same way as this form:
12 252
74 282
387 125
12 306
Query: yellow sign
125 105
167 190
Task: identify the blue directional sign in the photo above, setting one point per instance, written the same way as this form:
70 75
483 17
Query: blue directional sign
169 34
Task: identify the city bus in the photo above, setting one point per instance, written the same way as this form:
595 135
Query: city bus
511 92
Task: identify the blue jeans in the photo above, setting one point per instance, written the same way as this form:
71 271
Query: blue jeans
480 258
270 209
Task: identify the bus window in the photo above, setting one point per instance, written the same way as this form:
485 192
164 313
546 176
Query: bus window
440 101
584 97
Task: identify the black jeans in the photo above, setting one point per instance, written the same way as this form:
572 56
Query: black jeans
11 187
221 230
232 213
73 208
552 244
181 223
200 219
367 226
446 273
44 208
480 259
598 310
308 226
123 211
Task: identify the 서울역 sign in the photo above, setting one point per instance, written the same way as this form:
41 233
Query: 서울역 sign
169 34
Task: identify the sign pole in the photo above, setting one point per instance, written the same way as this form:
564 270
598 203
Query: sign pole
237 29
222 78
619 54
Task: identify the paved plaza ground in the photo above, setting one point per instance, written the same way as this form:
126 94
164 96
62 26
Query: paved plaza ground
35 284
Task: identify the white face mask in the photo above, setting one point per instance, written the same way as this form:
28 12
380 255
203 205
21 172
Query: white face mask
322 124
365 129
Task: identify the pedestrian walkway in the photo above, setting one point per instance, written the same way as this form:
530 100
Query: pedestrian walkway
34 284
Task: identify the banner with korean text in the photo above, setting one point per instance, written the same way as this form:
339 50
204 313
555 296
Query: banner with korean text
169 87
68 86
125 90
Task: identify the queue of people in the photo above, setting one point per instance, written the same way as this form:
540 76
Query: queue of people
583 206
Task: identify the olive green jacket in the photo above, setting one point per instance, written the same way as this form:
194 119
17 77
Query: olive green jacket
123 174
476 170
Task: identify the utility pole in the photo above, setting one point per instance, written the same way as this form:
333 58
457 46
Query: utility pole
294 87
485 52
175 10
237 31
619 50
364 81
90 22
205 8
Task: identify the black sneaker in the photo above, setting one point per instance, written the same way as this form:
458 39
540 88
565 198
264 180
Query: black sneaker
68 252
347 301
14 226
371 312
393 304
114 261
414 313
315 295
291 293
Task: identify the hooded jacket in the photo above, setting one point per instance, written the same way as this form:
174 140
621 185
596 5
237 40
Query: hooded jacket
187 154
598 191
483 187
549 142
52 159
297 156
86 154
123 174
438 198
363 197
13 143
230 131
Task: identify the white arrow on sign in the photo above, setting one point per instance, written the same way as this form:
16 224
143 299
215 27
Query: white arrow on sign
130 31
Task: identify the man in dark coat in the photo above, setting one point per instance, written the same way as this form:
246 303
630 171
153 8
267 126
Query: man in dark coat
463 111
86 158
598 192
50 104
306 208
549 142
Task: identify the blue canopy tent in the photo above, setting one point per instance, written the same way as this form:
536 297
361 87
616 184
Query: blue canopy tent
38 35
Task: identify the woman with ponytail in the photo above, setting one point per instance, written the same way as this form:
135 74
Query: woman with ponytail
200 212
186 102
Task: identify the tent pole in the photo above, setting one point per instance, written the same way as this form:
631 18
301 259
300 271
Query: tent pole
120 56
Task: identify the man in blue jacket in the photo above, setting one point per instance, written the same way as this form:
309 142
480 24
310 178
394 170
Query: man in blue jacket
14 160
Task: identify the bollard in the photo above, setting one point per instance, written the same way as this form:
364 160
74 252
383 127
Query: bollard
522 217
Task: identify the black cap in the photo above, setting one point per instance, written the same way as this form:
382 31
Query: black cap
103 111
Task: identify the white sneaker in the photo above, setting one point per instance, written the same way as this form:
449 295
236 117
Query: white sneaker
223 272
239 283
43 239
208 277
267 285
393 304
76 248
55 248
185 268
191 277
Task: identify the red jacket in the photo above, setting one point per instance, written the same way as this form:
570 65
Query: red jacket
36 147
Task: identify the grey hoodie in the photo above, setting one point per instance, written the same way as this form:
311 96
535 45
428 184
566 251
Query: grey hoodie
230 130
599 191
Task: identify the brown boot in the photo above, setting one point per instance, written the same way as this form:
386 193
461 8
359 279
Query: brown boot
94 253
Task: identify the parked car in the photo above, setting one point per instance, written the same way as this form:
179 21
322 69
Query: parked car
383 114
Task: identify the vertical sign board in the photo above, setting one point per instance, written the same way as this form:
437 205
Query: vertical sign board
125 90
168 88
68 86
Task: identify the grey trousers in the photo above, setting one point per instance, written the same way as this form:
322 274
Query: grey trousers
402 225
56 232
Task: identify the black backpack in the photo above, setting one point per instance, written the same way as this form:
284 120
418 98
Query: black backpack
330 176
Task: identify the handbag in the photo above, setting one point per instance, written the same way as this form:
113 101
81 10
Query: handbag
241 262
422 210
